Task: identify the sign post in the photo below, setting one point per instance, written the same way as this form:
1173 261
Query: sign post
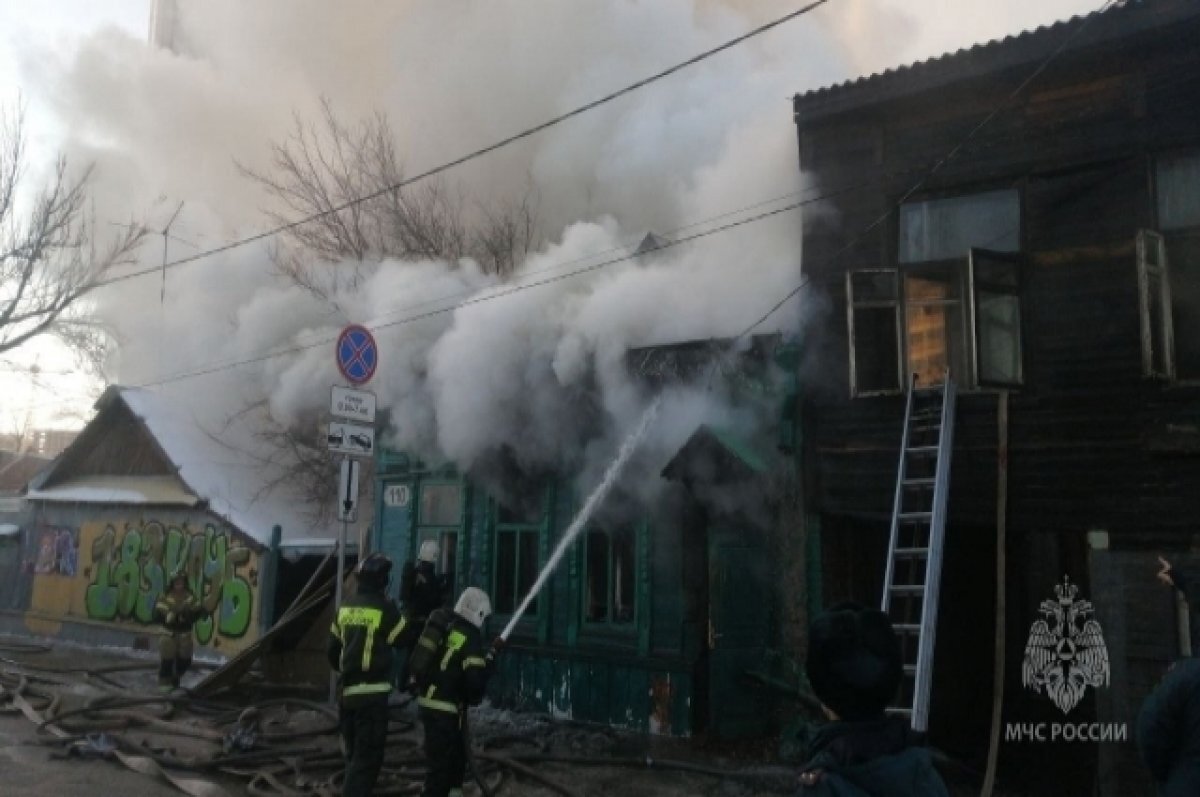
357 357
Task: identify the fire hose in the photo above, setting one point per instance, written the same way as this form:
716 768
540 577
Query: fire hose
289 760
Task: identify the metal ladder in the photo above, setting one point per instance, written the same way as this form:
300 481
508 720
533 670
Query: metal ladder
914 568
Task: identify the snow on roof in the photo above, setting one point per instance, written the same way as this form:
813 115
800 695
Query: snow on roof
226 467
118 489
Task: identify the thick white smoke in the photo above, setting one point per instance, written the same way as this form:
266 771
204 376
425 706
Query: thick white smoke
540 371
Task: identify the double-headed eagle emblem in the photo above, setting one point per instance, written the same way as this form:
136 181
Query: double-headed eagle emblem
1065 653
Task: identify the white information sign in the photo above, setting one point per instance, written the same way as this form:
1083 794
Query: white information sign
352 439
353 405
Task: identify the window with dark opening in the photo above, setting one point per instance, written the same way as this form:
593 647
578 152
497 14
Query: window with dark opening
874 331
952 304
516 569
610 583
516 562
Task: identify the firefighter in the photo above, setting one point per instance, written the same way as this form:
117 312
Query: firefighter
367 627
422 590
454 681
178 610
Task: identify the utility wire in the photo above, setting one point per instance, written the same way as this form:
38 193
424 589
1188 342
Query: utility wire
941 162
476 153
493 295
932 171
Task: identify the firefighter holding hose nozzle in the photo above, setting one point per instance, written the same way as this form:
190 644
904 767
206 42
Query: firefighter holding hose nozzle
451 667
178 610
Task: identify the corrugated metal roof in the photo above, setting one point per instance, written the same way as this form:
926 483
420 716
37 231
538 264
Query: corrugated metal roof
1125 19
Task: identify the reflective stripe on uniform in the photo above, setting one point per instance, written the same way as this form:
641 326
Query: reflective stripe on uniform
397 630
437 705
454 643
474 661
367 618
367 689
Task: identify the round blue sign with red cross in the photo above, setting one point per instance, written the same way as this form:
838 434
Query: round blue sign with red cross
357 354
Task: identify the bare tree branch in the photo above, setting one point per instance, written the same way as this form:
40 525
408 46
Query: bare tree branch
328 164
49 260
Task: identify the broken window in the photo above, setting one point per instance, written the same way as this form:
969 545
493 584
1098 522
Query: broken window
874 316
1169 273
610 583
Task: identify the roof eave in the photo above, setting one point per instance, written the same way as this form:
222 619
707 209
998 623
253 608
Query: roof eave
986 60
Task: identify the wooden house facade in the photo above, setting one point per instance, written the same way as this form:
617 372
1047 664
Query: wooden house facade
1024 215
654 615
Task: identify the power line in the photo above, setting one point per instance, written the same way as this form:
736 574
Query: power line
491 296
528 132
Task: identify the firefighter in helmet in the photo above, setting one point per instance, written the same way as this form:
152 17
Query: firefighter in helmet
368 625
178 610
422 589
454 679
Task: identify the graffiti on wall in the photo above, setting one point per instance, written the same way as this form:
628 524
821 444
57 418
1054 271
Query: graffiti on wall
130 567
57 552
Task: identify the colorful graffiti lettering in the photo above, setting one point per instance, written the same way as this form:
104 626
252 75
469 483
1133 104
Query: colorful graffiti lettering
57 553
130 571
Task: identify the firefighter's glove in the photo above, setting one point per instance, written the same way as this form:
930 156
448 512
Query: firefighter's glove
497 645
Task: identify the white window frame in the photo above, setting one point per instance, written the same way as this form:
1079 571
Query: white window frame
1150 241
969 297
875 304
974 286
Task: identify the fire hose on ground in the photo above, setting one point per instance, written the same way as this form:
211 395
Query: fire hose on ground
282 761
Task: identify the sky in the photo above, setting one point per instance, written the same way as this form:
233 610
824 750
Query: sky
164 127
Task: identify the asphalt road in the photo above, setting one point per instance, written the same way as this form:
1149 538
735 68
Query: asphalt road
26 770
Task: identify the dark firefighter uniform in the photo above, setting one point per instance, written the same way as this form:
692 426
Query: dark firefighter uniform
427 593
178 613
367 626
422 592
458 680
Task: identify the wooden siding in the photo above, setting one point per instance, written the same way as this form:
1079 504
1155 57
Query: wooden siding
1093 445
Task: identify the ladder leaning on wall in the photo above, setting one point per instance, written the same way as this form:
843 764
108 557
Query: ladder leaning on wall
914 566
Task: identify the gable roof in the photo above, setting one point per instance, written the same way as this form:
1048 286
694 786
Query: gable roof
1126 20
228 479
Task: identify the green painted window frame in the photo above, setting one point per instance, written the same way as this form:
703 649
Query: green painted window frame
638 628
536 618
422 531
